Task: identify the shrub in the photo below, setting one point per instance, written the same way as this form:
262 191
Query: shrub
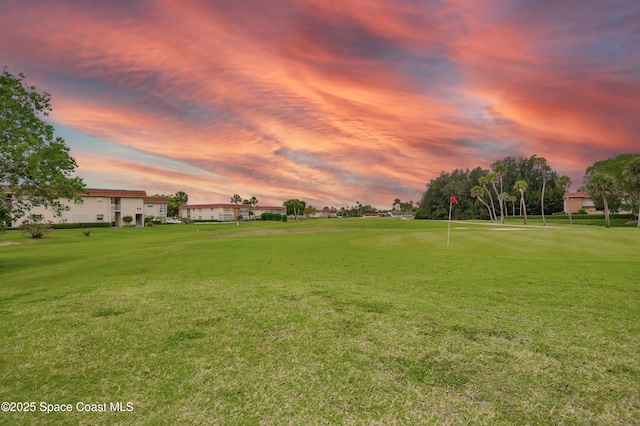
127 219
284 218
36 226
81 225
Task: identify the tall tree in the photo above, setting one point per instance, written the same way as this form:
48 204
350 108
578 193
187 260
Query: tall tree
254 203
501 170
493 177
477 192
541 164
396 205
508 198
35 167
175 202
565 183
294 207
235 199
631 177
247 203
522 186
601 185
484 180
622 190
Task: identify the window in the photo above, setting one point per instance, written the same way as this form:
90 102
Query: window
99 218
79 202
99 200
150 206
163 208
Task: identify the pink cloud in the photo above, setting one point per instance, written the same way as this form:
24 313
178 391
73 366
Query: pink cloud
366 100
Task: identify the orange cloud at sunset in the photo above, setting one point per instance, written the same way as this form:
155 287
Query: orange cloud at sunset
328 102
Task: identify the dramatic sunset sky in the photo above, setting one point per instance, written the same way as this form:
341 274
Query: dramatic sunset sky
328 101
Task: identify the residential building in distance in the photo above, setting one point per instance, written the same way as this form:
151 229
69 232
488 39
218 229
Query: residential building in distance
326 213
106 205
226 212
576 201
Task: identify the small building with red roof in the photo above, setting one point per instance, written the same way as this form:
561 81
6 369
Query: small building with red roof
576 201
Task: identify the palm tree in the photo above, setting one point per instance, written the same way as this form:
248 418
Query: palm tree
236 199
247 203
295 206
565 182
396 202
492 177
522 186
254 202
601 185
478 192
508 198
501 170
541 163
631 174
483 181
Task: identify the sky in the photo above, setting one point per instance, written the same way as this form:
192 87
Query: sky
331 102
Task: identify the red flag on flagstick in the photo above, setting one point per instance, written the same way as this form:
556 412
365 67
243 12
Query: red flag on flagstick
452 201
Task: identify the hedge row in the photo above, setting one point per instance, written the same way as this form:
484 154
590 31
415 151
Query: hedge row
273 216
81 225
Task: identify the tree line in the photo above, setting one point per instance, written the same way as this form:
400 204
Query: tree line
521 186
615 183
513 186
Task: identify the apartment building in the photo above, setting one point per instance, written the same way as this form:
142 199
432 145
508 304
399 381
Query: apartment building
226 212
106 205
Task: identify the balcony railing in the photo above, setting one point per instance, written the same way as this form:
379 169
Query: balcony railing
116 207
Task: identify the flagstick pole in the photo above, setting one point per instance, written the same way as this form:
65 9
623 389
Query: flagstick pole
449 222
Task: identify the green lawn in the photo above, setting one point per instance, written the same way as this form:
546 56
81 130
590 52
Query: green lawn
355 321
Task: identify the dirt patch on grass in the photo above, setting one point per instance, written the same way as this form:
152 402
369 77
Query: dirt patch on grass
6 243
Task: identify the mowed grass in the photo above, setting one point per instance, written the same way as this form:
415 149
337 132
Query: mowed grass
355 321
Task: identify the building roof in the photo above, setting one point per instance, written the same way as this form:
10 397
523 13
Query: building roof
96 192
118 193
222 205
211 206
576 195
156 200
